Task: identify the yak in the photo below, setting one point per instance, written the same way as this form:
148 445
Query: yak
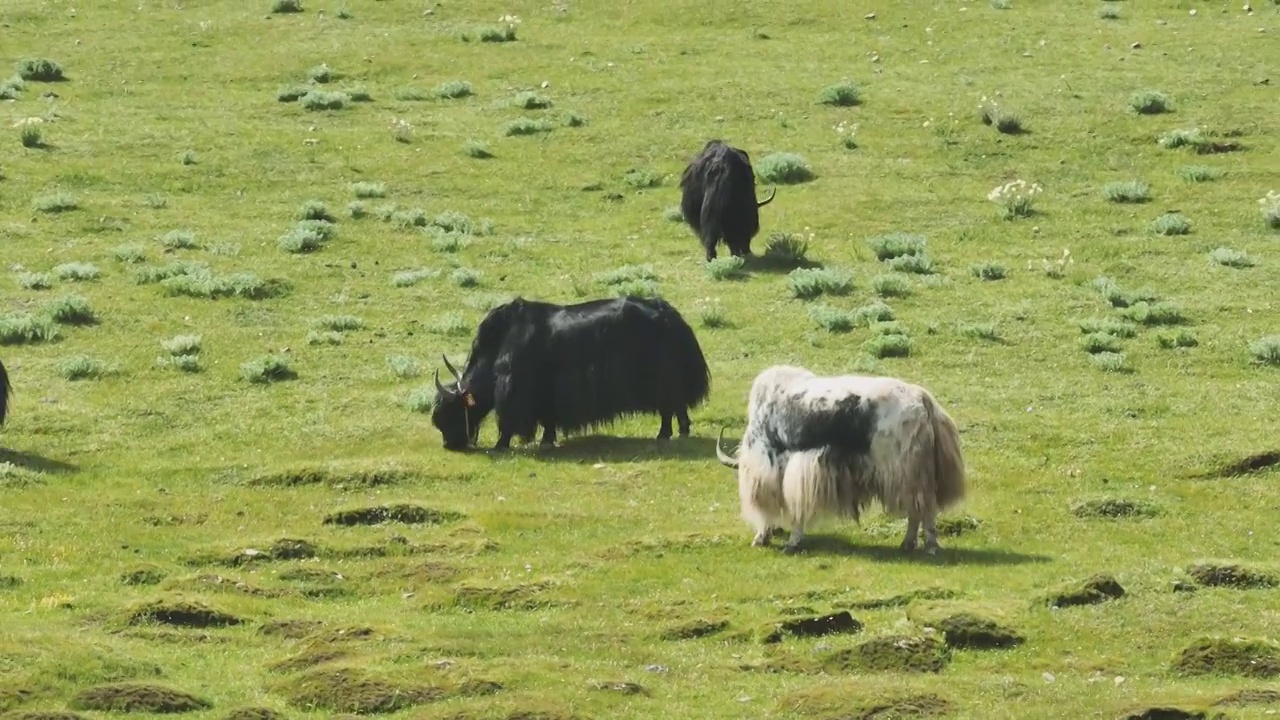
817 445
572 367
719 198
5 389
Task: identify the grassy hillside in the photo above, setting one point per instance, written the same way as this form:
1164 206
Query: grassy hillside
219 490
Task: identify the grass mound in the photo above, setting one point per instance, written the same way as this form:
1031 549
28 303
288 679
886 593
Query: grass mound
814 626
890 653
1164 713
348 690
693 629
1097 589
403 513
1234 576
964 630
308 659
138 698
182 613
1229 656
253 713
45 715
520 596
353 479
848 702
1250 696
1114 508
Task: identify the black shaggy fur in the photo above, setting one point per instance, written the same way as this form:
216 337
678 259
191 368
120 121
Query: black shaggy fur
719 198
5 389
573 367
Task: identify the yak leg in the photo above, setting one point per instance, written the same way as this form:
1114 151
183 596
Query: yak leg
548 434
913 531
793 543
931 534
711 251
682 416
664 431
504 441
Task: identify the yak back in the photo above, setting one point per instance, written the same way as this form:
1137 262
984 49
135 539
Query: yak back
590 363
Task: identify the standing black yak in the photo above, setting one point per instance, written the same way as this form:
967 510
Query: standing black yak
5 389
719 198
571 367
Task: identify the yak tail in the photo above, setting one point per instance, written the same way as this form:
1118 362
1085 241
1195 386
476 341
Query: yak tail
948 460
5 388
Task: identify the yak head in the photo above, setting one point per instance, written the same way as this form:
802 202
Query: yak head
457 411
724 458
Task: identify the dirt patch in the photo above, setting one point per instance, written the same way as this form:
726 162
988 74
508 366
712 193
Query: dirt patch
695 629
1244 466
339 480
291 629
813 626
1233 576
619 686
138 697
956 526
892 653
1164 713
1097 589
350 690
844 702
1250 696
45 715
308 659
1114 508
253 713
904 599
523 596
143 575
401 513
1229 656
182 613
964 630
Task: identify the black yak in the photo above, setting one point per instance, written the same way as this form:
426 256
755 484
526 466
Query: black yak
831 445
570 367
719 198
5 389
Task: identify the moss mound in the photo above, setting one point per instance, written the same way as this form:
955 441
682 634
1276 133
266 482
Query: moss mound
253 713
843 701
139 698
143 575
813 626
291 629
695 629
1229 656
182 613
892 653
1114 508
1234 576
308 659
354 691
964 630
524 596
1250 696
956 526
45 715
356 479
401 513
1097 589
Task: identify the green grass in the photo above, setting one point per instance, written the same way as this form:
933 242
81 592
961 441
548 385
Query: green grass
217 438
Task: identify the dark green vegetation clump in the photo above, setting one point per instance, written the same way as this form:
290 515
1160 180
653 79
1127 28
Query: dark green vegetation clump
1114 508
965 630
44 715
848 701
1250 696
399 513
350 690
1096 589
814 626
1231 575
1248 657
353 479
134 697
253 713
891 653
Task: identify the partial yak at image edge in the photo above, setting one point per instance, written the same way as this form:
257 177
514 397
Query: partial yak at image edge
5 390
572 367
829 445
718 198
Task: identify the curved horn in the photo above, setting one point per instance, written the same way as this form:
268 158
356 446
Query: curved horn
724 459
449 365
443 390
772 191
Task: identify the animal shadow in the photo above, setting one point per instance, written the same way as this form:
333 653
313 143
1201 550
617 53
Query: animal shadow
611 448
766 263
36 463
889 552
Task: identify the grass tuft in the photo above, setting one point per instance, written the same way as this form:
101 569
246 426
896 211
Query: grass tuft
1198 173
887 346
809 283
25 329
988 271
82 367
891 286
40 70
894 245
831 319
77 271
286 6
526 126
1112 362
844 94
71 310
454 89
1266 350
783 168
58 202
1231 258
1171 224
368 190
476 149
1128 191
726 268
780 250
1149 102
34 281
1172 339
267 369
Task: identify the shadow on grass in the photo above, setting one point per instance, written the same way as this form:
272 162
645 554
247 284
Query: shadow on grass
37 463
778 266
891 553
610 448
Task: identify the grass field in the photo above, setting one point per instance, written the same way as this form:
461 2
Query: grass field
220 493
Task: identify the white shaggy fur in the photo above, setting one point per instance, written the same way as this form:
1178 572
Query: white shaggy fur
914 468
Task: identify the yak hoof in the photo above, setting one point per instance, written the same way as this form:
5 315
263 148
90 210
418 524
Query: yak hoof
790 549
760 540
908 545
931 549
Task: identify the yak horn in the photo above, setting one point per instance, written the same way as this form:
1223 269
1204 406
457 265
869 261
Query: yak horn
724 459
443 390
766 201
447 364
